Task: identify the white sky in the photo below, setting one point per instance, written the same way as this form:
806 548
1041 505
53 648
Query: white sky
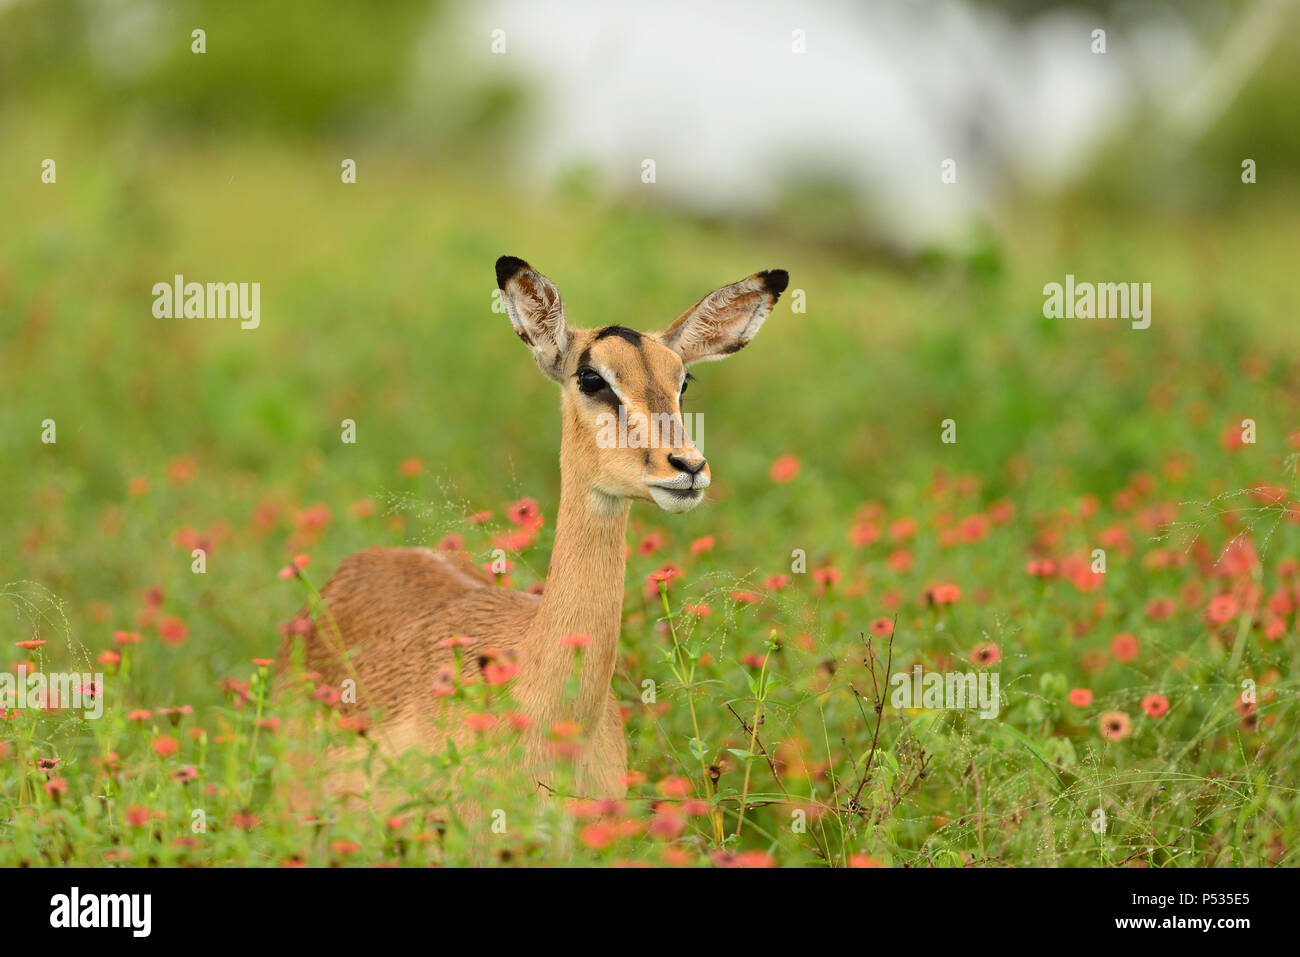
885 92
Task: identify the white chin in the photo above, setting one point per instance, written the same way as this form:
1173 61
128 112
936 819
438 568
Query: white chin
671 501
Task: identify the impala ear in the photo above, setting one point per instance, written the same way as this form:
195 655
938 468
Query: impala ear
536 313
725 320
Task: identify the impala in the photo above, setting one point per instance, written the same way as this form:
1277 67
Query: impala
395 609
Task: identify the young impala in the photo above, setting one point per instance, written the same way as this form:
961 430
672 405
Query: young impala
394 608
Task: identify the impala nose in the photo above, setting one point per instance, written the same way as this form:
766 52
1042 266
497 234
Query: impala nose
690 463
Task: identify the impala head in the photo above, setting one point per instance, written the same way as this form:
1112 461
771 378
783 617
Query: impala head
624 434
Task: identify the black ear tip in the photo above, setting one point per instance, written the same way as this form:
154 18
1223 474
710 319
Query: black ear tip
507 266
775 280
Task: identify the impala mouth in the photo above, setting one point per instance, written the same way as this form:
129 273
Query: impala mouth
680 494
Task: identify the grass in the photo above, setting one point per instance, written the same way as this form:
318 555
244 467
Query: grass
763 743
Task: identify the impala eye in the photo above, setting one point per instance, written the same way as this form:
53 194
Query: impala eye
590 383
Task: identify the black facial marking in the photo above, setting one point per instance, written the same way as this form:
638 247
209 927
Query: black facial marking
624 333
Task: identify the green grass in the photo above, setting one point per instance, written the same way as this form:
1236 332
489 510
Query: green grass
376 306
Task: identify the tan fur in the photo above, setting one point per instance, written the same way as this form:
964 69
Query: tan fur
393 606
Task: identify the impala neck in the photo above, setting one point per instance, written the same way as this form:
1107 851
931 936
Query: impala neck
584 594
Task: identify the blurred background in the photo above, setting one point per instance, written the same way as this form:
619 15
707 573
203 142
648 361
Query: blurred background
809 137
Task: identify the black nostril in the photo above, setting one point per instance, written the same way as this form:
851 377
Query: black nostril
685 466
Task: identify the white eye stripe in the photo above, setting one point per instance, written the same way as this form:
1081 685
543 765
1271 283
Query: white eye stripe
611 380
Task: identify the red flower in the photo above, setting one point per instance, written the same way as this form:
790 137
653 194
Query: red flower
1115 725
784 469
1124 646
1155 705
1161 609
1080 697
864 534
172 630
667 822
665 575
899 560
451 542
517 540
500 666
945 594
974 527
1002 511
599 835
1222 609
902 529
827 575
987 653
165 747
702 545
524 513
674 787
742 859
313 518
561 730
882 627
327 695
182 470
